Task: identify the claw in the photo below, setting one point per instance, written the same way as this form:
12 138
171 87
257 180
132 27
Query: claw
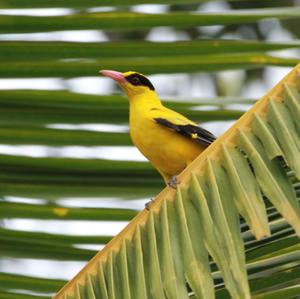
173 182
148 204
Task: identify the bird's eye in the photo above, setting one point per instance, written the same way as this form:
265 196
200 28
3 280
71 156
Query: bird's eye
135 81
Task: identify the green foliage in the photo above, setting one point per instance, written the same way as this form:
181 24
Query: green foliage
168 246
131 20
52 107
59 50
84 3
21 69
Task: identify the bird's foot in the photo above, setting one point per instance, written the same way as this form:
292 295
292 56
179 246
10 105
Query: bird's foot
148 204
173 182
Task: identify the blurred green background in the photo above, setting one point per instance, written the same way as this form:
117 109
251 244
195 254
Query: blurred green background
69 175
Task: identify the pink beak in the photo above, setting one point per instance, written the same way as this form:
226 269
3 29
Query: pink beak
117 76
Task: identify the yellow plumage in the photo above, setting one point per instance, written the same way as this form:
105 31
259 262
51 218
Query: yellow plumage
166 138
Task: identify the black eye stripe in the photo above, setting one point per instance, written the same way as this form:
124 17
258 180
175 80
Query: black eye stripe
137 79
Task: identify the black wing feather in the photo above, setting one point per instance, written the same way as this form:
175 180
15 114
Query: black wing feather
203 136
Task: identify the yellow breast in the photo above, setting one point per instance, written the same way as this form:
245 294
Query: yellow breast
168 151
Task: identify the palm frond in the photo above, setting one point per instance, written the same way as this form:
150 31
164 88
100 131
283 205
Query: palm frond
14 50
132 20
162 64
55 107
164 251
86 3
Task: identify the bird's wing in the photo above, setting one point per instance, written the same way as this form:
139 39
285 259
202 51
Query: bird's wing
182 125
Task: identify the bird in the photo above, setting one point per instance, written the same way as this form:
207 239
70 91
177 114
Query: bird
169 140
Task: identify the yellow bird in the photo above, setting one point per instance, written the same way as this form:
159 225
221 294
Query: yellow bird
166 138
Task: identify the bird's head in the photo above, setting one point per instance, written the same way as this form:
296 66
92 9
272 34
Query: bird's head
132 83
